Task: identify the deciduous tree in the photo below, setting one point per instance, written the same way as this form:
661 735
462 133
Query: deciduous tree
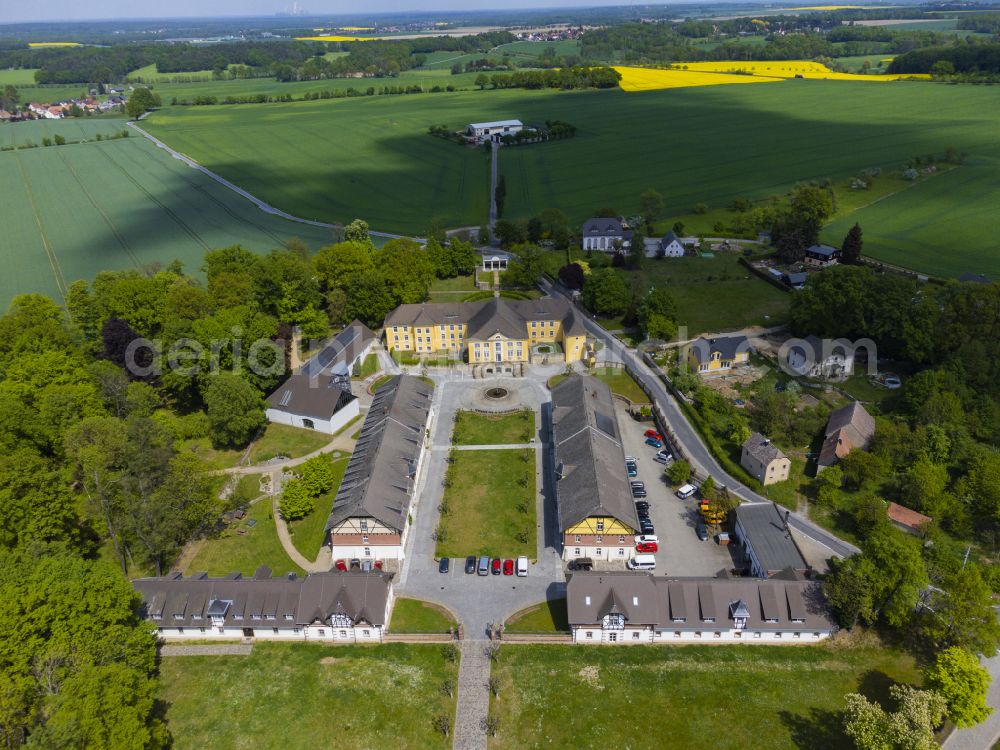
963 683
235 409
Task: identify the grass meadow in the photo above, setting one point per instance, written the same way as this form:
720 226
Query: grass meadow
690 697
472 428
71 211
483 498
304 695
708 145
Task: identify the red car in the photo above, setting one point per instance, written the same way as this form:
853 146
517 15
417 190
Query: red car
653 434
378 565
508 567
647 547
340 565
495 567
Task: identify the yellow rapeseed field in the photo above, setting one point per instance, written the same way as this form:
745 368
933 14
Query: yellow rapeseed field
647 79
334 38
725 72
53 44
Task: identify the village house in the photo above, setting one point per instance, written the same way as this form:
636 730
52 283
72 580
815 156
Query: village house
794 279
607 235
493 131
633 608
907 520
765 541
764 460
492 331
495 261
597 515
821 256
334 606
670 246
370 515
824 359
847 428
318 396
718 355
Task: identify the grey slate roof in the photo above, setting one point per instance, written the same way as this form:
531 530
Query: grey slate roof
847 428
673 603
762 449
313 391
765 532
727 346
380 473
485 318
824 250
589 451
795 279
288 601
601 227
668 238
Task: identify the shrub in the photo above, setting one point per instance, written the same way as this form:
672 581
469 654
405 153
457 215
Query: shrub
296 502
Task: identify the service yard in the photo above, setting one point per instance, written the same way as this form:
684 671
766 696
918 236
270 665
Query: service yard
675 520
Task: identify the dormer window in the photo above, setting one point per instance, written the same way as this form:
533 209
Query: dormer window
600 525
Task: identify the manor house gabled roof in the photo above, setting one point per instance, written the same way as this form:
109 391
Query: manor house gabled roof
483 319
590 460
727 347
381 471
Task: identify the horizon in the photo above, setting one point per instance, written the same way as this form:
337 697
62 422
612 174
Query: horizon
264 9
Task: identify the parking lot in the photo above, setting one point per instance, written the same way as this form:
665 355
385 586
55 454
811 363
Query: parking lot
680 553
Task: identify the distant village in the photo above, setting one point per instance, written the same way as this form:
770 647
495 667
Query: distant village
89 105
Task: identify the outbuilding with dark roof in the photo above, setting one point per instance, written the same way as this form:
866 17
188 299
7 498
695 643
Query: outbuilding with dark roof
597 514
318 396
766 540
333 606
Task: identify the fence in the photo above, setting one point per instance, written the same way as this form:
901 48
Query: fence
507 637
422 637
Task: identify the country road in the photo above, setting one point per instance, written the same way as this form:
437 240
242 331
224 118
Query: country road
262 205
691 443
494 156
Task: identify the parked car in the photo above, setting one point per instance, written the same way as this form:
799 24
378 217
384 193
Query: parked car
647 547
470 565
582 563
646 527
355 564
522 566
366 566
702 532
653 434
378 565
631 459
445 565
632 469
892 381
641 562
654 442
638 492
686 491
340 565
508 567
642 505
638 483
643 539
663 457
495 566
484 566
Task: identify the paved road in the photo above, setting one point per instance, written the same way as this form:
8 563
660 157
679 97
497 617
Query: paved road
691 443
495 148
265 207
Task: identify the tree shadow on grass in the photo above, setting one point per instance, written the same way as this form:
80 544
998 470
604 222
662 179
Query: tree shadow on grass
819 728
823 728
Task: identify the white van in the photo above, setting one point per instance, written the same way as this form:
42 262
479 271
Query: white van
642 562
686 491
522 566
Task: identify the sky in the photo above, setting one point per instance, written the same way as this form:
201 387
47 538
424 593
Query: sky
77 10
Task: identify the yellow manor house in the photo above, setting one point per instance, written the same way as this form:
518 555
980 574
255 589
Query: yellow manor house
495 330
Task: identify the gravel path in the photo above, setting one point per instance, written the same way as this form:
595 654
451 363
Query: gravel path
222 649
